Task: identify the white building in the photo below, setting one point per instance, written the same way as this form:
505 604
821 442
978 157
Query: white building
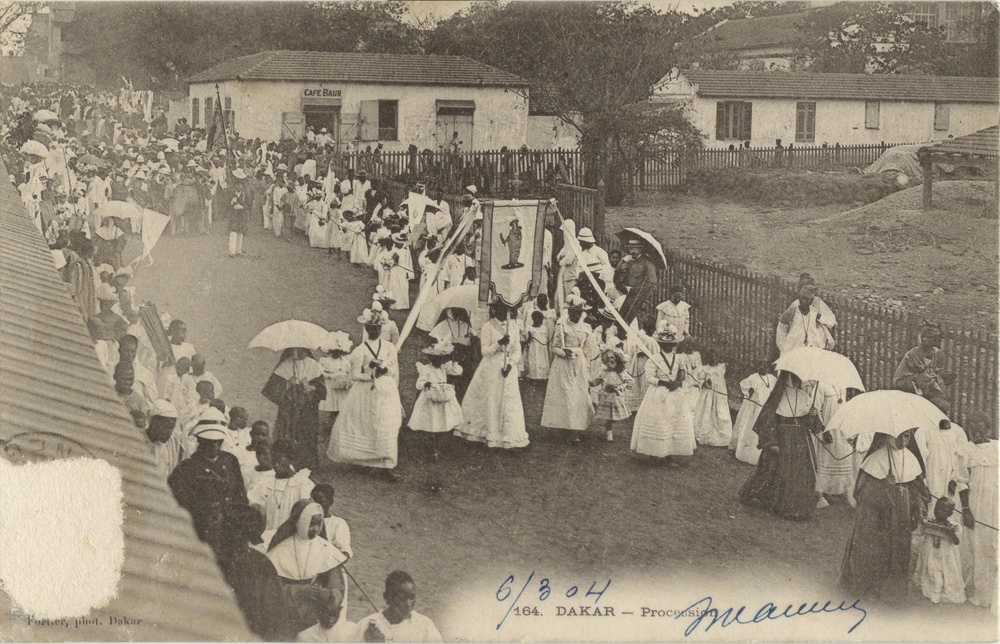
808 110
393 99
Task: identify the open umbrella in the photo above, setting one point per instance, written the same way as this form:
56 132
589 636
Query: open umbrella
887 411
649 240
290 333
120 209
90 159
44 116
812 363
461 297
34 147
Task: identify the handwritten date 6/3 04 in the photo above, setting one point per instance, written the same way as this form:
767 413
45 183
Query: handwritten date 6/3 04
544 589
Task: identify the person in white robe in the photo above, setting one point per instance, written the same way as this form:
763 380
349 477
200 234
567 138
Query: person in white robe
712 421
278 489
594 257
834 458
675 311
367 429
319 220
399 622
337 375
976 480
663 427
568 404
805 323
398 280
756 389
492 405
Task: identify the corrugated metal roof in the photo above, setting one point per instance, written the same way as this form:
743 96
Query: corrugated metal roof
984 143
395 69
874 87
51 381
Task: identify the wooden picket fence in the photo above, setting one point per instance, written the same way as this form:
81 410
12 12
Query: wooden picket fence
539 170
735 312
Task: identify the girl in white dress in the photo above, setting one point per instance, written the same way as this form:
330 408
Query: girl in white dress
756 388
367 429
939 566
690 360
675 311
537 338
359 246
428 265
402 246
567 396
436 409
976 475
333 233
637 361
337 375
492 406
663 427
318 220
382 300
713 424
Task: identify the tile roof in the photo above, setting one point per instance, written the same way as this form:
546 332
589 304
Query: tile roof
984 143
51 381
399 69
754 33
884 87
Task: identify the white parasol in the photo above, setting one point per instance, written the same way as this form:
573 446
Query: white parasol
887 411
812 363
290 333
646 237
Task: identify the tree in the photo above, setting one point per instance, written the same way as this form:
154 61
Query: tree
590 62
15 18
160 44
879 37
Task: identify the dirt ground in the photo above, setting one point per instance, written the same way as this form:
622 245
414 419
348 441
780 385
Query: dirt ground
939 264
588 512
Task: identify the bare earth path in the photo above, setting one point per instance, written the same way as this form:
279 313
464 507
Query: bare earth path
584 513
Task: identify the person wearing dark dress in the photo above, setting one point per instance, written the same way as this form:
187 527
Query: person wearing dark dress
209 482
785 481
259 592
892 499
636 277
296 386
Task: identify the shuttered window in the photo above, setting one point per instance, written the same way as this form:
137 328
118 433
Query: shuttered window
872 109
209 114
388 120
733 120
805 122
942 116
368 124
195 112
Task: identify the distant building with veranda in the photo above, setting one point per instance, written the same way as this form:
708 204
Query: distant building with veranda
812 109
393 99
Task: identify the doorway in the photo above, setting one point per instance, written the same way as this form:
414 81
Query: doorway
323 116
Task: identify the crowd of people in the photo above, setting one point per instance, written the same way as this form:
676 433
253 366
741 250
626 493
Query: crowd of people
249 486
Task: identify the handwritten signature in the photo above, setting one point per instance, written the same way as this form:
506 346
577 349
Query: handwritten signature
704 611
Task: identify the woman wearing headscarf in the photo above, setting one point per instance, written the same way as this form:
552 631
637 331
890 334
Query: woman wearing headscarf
303 560
891 499
296 386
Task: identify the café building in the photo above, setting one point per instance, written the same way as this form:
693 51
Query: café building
393 99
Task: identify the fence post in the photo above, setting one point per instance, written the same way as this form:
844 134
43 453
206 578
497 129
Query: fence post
599 208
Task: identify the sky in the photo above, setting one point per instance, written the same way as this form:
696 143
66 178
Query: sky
440 9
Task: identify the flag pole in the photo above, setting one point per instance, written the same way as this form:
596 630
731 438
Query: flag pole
222 112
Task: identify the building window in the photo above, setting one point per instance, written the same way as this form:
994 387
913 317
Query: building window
926 13
960 21
871 114
942 115
195 112
388 120
733 120
805 122
454 125
209 114
229 113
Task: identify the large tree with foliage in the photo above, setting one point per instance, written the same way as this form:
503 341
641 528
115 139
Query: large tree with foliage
590 63
15 18
880 37
159 44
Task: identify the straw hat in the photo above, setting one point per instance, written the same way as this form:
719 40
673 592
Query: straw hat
338 341
383 296
575 301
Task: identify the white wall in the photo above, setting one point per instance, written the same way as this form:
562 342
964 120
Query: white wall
843 122
501 117
550 133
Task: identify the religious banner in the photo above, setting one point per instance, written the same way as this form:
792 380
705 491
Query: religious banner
512 248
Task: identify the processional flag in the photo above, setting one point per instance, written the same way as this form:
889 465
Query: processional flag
511 260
